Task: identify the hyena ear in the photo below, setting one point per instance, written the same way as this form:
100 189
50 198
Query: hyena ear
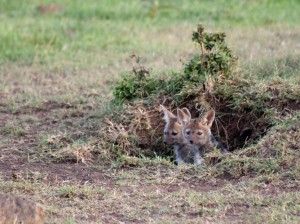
182 117
168 115
187 112
209 118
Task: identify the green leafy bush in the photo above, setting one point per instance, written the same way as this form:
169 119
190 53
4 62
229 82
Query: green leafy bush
215 59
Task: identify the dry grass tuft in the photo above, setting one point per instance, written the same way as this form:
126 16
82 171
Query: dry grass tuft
78 154
136 130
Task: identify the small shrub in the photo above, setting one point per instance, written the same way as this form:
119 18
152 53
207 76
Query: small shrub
137 84
216 59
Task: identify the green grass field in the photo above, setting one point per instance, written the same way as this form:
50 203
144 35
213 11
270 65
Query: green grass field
59 62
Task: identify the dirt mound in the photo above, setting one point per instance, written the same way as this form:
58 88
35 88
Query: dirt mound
246 108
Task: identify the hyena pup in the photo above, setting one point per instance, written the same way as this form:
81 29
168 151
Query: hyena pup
184 152
198 132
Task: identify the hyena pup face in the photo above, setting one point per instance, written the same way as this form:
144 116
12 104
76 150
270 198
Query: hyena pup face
173 128
197 131
173 135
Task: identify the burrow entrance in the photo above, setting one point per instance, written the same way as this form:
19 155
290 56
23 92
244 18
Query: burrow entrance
235 129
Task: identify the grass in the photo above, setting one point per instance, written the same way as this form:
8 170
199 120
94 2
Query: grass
212 201
85 35
57 70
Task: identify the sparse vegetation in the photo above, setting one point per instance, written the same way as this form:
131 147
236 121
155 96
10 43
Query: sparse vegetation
86 142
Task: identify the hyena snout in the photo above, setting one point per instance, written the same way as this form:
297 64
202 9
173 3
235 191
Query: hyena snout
168 141
191 141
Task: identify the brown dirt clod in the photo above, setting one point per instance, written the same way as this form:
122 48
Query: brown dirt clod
15 209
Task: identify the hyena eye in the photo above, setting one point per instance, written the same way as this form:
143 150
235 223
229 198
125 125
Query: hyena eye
199 133
174 133
188 132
